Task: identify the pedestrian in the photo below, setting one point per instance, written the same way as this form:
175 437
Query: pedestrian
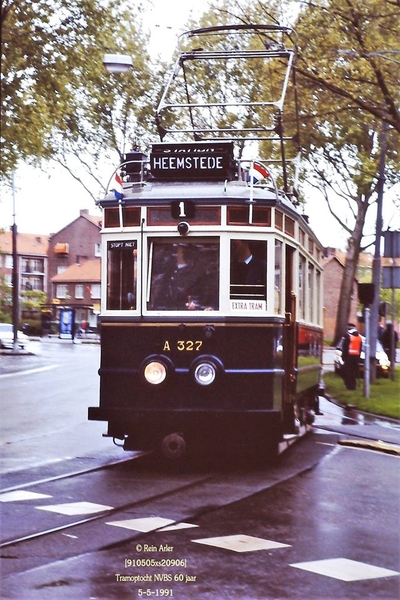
351 351
389 341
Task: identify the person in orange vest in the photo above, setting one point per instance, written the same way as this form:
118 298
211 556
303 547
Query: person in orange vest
351 351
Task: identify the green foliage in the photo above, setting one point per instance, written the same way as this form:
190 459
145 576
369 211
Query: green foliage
58 101
31 300
5 301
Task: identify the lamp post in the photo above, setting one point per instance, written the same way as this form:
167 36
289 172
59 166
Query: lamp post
376 264
15 282
117 63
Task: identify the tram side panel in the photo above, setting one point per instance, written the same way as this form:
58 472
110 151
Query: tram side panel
243 404
309 362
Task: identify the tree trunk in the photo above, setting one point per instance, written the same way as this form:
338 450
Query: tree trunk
347 286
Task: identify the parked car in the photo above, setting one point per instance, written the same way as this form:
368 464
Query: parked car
7 337
382 359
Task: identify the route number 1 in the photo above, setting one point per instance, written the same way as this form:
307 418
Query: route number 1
182 209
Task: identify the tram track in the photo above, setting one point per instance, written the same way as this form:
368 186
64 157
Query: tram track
72 474
195 496
99 516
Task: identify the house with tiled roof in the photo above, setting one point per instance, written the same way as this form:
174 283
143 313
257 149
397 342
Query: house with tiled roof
32 266
74 268
79 286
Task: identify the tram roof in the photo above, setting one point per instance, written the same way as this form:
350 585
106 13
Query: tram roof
227 192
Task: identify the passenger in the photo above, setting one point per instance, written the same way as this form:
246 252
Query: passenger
351 351
185 284
247 271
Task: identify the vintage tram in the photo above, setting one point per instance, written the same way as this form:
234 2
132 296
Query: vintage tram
211 310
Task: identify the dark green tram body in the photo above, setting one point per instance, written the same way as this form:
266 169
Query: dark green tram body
211 309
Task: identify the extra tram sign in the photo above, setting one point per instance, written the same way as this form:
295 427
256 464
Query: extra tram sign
198 160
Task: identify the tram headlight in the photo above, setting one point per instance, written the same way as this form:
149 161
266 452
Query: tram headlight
205 373
155 372
206 370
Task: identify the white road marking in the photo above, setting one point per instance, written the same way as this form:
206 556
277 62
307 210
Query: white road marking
18 495
241 543
75 508
345 569
29 371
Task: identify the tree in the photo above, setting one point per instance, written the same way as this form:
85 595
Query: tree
58 101
350 61
347 77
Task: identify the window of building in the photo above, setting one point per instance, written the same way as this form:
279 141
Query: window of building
79 291
95 290
61 290
38 265
37 283
9 261
97 249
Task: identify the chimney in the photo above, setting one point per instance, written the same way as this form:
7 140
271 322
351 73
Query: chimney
84 211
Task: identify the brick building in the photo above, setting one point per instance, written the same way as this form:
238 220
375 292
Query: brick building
32 267
79 286
72 245
333 273
65 265
74 268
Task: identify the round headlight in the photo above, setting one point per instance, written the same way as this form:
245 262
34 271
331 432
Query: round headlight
155 372
205 373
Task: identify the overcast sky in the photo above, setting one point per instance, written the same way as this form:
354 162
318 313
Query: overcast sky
46 202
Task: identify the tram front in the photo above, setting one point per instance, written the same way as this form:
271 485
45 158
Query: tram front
211 289
192 320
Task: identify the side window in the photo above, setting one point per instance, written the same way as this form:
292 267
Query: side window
121 275
248 270
183 275
278 278
302 287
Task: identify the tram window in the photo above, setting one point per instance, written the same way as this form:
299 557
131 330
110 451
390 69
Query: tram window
278 278
302 286
121 275
311 290
248 270
279 220
183 276
238 215
203 216
111 217
317 307
289 226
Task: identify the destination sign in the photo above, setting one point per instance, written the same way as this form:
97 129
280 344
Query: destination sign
196 161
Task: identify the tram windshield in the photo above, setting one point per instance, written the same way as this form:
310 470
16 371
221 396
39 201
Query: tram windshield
183 275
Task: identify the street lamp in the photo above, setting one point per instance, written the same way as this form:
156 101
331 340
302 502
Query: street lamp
15 282
117 63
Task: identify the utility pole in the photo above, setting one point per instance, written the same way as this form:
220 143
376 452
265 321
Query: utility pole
376 264
15 278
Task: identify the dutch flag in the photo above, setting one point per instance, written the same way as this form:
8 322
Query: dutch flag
257 173
118 187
